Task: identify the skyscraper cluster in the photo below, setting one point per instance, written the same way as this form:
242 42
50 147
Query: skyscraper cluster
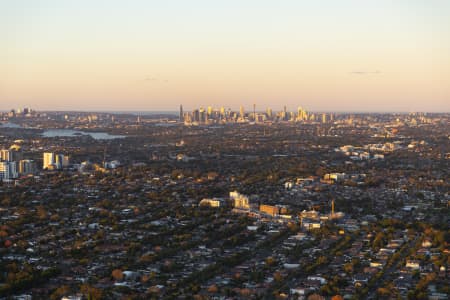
212 115
12 165
55 161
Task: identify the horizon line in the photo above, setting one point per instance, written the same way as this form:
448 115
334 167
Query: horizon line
176 111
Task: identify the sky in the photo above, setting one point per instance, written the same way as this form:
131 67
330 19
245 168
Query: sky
322 55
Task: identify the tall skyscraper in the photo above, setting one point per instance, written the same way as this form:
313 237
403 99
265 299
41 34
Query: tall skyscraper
8 170
55 161
284 115
181 113
5 155
196 115
58 161
49 160
27 166
10 154
202 115
299 113
302 115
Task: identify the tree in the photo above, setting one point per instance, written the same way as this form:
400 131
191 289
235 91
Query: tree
213 289
90 292
315 297
321 260
378 242
383 292
117 274
348 268
41 213
277 276
60 292
270 261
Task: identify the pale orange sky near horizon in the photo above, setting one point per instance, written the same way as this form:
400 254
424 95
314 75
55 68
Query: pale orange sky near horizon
147 55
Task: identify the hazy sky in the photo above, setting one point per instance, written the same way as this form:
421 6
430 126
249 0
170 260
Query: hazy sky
346 55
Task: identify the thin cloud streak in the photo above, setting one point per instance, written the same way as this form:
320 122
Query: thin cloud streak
365 72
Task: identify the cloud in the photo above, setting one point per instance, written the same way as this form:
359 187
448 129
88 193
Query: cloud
365 72
154 79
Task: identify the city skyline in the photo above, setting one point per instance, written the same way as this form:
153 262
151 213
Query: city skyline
247 109
145 55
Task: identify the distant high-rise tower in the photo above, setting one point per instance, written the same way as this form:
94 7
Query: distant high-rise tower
241 111
254 112
302 115
269 113
6 155
49 160
27 167
8 170
55 161
181 113
203 117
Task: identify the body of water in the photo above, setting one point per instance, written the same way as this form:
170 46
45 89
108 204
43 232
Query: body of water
71 133
68 132
9 125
